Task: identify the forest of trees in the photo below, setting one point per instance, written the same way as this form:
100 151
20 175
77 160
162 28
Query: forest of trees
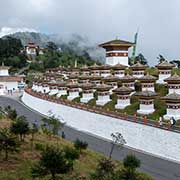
12 54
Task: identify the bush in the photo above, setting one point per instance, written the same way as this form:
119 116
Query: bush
71 153
130 163
20 127
11 113
53 162
39 146
80 145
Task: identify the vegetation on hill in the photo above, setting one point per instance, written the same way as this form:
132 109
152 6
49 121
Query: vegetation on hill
10 52
52 58
52 157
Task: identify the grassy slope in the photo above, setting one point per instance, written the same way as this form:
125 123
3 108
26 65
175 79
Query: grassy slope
18 167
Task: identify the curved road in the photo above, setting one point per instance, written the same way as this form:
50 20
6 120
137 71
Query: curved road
158 168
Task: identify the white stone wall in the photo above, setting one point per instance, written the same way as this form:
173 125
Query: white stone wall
4 72
146 109
86 97
172 113
73 95
122 103
162 77
156 141
148 89
61 92
53 92
171 91
116 59
11 85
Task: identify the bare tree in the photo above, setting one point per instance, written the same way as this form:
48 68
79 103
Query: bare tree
118 140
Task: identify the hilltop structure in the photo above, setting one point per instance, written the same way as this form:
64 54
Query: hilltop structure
117 51
33 49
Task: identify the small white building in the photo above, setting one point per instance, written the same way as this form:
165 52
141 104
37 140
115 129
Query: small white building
85 70
119 70
73 89
164 69
87 92
123 97
96 80
103 94
8 83
95 70
128 81
138 69
62 89
146 99
173 84
111 81
105 70
173 106
147 82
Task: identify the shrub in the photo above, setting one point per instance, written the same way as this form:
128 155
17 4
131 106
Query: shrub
53 162
80 145
71 153
39 146
20 127
130 163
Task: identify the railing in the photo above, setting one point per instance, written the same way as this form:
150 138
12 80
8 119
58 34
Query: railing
100 110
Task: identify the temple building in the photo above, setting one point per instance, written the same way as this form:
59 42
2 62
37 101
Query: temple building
138 69
31 49
73 89
123 97
164 69
87 92
119 70
146 99
105 70
103 94
116 52
173 84
147 82
128 81
173 106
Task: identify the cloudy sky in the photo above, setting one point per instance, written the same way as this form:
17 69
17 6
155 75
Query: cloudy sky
101 20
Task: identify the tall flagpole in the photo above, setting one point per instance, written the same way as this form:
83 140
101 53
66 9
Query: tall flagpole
134 47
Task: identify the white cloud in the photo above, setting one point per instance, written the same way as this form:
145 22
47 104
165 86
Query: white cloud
9 30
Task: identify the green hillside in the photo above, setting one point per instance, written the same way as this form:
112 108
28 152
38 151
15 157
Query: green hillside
20 164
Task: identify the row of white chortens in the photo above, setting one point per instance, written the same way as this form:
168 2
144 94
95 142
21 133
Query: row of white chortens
105 79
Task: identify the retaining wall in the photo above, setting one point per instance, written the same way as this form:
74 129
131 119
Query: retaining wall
159 142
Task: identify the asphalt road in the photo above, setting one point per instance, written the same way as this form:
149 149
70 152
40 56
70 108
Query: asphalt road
158 168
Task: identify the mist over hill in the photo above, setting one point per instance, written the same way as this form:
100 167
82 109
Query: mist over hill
73 43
